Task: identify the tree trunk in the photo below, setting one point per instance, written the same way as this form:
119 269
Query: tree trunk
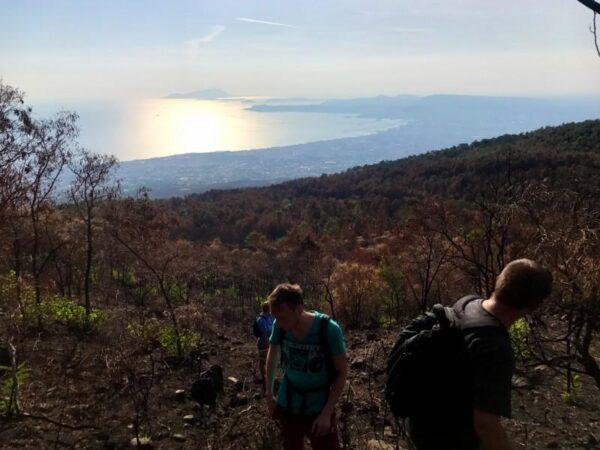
88 265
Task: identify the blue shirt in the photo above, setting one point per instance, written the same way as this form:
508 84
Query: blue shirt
265 325
304 364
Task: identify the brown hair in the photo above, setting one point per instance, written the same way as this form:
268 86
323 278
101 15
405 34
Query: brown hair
523 284
285 293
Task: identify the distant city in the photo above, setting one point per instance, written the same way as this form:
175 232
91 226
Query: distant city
428 123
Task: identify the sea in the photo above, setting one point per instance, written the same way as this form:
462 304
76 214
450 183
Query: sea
150 128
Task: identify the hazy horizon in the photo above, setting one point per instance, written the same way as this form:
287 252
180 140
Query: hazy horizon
162 127
66 52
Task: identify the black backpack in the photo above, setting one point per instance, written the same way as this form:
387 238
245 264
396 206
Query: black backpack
426 367
255 328
324 342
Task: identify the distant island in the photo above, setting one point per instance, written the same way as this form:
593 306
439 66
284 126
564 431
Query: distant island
382 106
444 107
206 94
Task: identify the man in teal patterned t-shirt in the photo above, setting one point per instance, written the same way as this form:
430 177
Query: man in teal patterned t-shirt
315 368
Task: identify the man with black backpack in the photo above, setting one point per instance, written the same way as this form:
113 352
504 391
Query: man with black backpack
450 371
262 328
315 368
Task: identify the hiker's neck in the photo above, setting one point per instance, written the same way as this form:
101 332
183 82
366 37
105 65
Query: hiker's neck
304 322
504 313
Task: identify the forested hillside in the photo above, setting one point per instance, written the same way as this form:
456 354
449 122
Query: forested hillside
371 197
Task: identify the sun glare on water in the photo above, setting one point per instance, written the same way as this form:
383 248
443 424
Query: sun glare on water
162 127
166 126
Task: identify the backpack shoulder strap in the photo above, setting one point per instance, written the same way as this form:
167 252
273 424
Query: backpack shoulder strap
323 328
467 323
461 304
324 340
468 298
281 336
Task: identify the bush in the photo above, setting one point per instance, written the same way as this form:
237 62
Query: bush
55 309
358 293
24 309
168 340
518 335
570 391
177 292
146 333
9 387
67 312
126 277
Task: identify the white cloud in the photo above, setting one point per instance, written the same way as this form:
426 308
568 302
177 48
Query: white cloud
211 36
193 46
265 22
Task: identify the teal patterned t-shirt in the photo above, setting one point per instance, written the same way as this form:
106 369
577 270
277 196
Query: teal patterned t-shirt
305 363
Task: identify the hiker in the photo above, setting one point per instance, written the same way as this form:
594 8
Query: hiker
467 347
315 368
262 328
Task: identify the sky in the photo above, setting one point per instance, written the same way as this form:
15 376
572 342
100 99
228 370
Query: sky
131 49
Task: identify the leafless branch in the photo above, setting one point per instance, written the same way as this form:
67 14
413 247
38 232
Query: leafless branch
595 33
592 4
26 415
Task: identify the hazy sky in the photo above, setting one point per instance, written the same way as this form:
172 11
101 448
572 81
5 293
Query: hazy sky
83 50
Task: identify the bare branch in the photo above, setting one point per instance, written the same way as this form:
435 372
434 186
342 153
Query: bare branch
595 33
26 415
593 5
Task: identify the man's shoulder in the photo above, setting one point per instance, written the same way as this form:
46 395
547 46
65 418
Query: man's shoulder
332 324
461 303
473 317
489 343
483 333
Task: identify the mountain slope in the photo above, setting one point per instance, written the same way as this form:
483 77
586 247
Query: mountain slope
567 156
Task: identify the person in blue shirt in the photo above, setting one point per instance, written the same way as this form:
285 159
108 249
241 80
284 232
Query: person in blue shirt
264 324
315 368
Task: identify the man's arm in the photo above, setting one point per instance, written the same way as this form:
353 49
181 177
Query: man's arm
492 373
272 362
322 424
490 430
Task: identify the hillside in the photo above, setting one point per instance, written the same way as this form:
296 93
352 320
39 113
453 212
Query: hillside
565 156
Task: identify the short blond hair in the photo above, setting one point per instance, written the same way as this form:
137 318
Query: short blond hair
523 284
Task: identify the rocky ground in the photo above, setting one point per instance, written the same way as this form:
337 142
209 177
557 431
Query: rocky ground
82 395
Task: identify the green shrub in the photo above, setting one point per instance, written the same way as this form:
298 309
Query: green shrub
7 386
8 285
571 391
147 333
168 340
55 309
126 277
177 292
387 323
69 313
26 311
518 336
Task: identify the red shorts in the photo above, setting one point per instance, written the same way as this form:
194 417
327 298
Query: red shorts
294 428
